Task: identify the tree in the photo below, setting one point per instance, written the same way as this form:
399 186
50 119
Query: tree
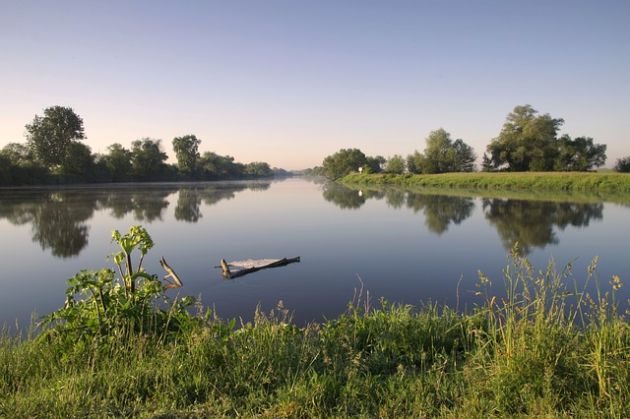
79 161
579 154
257 169
396 165
118 162
215 166
415 162
527 141
375 164
442 155
51 136
18 154
147 159
486 164
623 165
343 162
187 153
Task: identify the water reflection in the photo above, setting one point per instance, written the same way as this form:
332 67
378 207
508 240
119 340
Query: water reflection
532 223
441 210
59 218
343 197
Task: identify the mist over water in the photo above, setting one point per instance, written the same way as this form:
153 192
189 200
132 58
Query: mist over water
406 246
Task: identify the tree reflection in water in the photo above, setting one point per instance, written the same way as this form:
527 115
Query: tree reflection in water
531 223
59 219
342 196
441 210
190 197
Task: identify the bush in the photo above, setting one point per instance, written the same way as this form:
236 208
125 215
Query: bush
623 165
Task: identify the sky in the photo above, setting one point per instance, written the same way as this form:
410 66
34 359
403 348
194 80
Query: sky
289 82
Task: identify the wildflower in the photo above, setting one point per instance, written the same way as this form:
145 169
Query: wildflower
616 282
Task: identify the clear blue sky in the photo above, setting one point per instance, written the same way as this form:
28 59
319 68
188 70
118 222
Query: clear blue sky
289 82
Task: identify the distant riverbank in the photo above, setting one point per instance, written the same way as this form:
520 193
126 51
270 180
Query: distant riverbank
547 181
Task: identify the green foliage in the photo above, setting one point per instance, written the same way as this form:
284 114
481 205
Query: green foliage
118 162
147 159
623 165
257 170
343 162
375 164
79 164
395 164
215 166
442 155
529 142
579 154
187 152
51 136
102 304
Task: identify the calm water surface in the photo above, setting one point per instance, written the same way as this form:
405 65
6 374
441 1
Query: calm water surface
405 246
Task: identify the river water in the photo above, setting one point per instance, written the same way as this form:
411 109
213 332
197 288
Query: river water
413 247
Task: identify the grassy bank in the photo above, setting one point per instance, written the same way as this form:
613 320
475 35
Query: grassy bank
537 181
528 354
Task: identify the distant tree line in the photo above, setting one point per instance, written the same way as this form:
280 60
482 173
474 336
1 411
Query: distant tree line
528 141
54 153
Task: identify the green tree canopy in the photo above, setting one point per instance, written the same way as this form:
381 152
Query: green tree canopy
216 166
623 165
50 136
79 161
187 152
118 162
442 155
529 141
375 163
257 169
343 162
147 159
395 164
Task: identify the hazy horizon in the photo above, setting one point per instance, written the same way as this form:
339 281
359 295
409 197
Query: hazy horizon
290 82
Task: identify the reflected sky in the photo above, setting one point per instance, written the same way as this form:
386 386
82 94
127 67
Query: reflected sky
406 246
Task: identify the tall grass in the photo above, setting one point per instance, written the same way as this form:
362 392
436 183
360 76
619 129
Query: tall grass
540 181
545 349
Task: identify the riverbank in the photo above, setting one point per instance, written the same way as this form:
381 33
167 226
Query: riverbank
527 355
534 181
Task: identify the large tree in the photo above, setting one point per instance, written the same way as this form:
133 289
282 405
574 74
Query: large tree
343 162
50 136
442 155
187 153
527 141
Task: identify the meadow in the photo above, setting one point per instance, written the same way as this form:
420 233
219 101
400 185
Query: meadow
119 347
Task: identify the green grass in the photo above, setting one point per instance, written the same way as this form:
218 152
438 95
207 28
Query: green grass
533 181
528 354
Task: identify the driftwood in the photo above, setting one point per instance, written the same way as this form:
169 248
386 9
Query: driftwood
229 274
174 282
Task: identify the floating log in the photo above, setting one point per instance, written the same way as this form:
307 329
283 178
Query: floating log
269 263
174 282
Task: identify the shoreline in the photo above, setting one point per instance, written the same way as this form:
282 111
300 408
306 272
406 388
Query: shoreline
507 181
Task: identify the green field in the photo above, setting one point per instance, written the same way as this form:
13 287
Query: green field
533 181
529 353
